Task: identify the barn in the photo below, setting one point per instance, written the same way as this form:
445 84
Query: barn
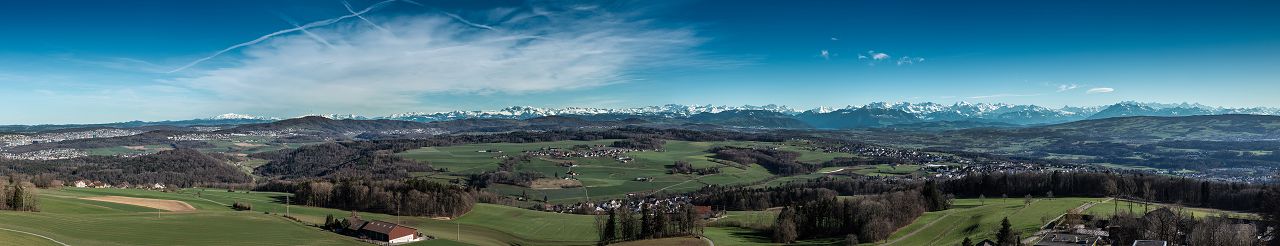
382 231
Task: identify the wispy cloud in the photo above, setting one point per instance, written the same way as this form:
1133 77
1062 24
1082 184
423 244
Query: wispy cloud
907 60
404 59
825 54
872 57
1067 87
1100 90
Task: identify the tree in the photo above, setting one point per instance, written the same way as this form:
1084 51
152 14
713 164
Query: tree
610 232
630 229
1027 200
330 222
967 242
982 199
1005 236
784 229
646 221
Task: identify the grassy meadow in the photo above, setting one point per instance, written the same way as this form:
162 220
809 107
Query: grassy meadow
604 177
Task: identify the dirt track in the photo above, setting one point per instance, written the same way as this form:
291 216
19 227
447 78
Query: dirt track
167 205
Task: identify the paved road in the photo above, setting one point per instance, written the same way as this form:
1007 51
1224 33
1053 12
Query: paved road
38 235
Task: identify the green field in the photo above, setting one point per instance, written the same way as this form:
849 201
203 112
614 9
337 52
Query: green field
1111 207
968 217
980 220
11 238
604 177
75 221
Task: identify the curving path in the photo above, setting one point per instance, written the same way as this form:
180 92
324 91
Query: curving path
38 235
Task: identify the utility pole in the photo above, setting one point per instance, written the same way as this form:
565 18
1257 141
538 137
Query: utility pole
286 206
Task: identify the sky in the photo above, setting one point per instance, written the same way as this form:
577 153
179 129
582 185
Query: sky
83 61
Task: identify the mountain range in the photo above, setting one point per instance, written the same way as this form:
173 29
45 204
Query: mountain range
878 114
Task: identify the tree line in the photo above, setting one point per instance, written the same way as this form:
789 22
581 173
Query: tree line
411 197
649 221
779 162
180 167
1152 188
18 195
867 218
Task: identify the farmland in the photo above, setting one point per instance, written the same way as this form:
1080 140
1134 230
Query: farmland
67 218
606 177
979 219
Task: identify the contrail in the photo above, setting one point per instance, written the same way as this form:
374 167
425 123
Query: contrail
465 21
310 34
366 20
282 32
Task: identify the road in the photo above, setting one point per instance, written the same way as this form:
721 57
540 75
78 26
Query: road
38 235
1036 237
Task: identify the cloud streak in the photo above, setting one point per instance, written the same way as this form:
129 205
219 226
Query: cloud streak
296 28
1100 90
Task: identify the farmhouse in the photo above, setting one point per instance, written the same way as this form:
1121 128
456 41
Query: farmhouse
83 183
382 231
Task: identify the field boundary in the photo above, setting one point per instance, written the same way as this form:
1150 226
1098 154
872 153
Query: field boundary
38 235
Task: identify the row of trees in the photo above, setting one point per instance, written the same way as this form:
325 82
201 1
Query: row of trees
412 197
745 198
1155 188
864 218
1180 228
779 162
683 167
18 195
650 221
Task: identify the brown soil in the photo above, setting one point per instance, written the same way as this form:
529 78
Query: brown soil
167 205
542 184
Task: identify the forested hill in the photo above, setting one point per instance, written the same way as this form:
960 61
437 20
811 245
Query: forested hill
322 124
1234 127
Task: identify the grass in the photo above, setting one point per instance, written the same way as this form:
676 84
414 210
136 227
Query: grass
981 219
75 221
674 241
604 177
1111 207
15 238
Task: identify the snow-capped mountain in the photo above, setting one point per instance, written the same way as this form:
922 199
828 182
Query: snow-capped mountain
869 115
235 116
526 112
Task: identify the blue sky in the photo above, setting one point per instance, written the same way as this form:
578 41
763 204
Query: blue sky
67 61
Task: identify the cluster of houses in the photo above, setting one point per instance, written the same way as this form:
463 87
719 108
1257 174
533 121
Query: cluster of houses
617 154
99 184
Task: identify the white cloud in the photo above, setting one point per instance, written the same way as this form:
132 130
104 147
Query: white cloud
826 55
879 56
834 39
1100 90
386 64
907 60
1067 87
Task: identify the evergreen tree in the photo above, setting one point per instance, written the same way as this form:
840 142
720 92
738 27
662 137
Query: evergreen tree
329 222
646 222
1005 236
610 227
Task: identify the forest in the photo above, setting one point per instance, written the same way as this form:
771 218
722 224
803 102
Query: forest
181 167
